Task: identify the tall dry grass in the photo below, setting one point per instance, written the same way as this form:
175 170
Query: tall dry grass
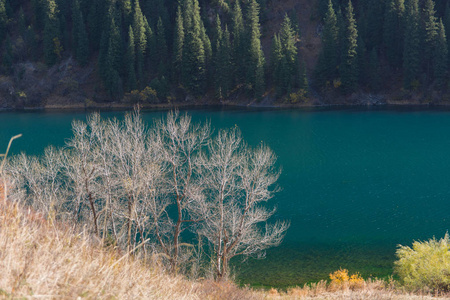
42 259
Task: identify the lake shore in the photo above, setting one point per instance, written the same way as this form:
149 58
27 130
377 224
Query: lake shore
228 104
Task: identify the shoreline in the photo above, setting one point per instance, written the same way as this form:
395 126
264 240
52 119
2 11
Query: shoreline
128 106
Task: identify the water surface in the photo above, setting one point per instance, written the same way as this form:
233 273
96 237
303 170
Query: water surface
355 183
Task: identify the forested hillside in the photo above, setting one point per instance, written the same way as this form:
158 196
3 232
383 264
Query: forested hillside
161 52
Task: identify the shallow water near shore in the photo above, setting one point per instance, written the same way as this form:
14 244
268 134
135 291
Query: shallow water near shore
355 182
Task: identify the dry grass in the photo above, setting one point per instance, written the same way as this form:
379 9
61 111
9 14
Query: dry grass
40 258
370 289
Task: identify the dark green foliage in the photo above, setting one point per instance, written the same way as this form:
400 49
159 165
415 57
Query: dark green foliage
110 57
275 66
194 59
161 47
348 69
222 61
326 69
83 44
22 23
178 44
393 33
98 19
178 40
31 43
52 39
363 67
130 60
374 71
238 44
255 58
411 52
303 83
140 40
161 87
374 19
289 48
447 28
3 20
150 50
440 57
80 43
430 35
7 56
285 63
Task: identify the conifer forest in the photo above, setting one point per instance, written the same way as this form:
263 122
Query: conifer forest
161 51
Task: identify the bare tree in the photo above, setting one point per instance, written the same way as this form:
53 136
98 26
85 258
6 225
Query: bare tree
146 186
40 181
179 142
237 181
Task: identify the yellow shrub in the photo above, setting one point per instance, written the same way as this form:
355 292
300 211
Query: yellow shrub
425 265
341 280
356 281
340 276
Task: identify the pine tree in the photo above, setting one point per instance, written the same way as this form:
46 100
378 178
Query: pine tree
440 57
80 41
208 54
140 40
30 38
276 57
83 43
226 62
76 20
22 22
447 28
222 60
349 64
362 59
7 56
38 17
109 59
328 58
162 47
130 60
218 58
150 50
411 52
194 73
303 77
178 46
373 71
3 20
374 19
255 58
238 43
393 31
52 40
430 38
288 40
98 22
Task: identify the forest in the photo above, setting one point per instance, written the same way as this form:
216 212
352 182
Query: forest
155 50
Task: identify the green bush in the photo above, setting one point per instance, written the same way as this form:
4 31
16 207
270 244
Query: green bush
426 265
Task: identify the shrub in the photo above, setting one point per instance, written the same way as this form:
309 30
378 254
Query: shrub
426 265
341 280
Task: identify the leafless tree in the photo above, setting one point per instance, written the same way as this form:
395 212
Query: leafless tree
179 142
237 181
43 181
146 186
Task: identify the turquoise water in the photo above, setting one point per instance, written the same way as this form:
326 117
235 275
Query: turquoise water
355 183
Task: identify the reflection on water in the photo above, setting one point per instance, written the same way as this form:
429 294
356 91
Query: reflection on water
355 183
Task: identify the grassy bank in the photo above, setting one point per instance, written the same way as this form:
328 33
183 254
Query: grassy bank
41 258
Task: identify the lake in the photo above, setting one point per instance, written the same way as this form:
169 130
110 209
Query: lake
355 182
